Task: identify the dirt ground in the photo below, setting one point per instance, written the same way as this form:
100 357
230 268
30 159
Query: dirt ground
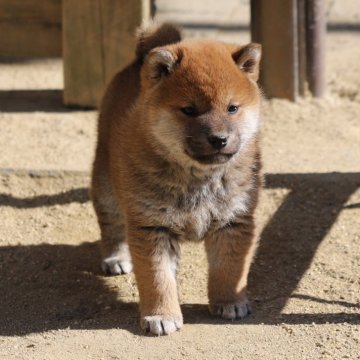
304 283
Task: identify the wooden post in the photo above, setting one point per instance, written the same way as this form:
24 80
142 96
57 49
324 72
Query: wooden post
292 33
302 47
274 25
315 46
98 40
30 28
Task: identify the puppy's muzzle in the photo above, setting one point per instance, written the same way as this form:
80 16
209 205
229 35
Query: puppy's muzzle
218 141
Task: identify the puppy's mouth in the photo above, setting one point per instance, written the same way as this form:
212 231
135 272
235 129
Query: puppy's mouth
215 158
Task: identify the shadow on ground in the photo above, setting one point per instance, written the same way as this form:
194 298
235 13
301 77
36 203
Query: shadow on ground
48 287
59 286
14 101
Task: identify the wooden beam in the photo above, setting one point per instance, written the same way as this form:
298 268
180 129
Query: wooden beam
315 46
302 47
98 40
30 28
274 25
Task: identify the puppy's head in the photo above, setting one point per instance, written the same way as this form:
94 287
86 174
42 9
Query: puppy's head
201 99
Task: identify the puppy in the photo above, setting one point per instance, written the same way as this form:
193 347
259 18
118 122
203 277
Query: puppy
177 159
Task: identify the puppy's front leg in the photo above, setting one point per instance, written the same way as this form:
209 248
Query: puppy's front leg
155 252
230 251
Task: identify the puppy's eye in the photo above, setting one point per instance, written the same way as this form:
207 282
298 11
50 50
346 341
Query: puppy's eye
232 109
189 111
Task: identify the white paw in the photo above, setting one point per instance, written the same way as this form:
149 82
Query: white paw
115 265
231 311
162 324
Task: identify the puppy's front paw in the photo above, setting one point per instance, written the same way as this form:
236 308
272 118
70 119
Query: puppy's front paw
233 311
115 265
162 324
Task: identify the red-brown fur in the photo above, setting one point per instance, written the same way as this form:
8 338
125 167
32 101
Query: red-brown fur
158 180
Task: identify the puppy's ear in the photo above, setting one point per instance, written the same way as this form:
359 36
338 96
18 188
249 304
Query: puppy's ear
161 62
248 59
152 35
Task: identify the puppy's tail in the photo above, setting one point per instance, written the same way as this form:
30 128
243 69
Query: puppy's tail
152 36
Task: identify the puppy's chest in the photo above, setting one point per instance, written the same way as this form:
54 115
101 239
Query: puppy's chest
199 209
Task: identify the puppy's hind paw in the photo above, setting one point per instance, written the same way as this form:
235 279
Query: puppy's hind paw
113 265
231 311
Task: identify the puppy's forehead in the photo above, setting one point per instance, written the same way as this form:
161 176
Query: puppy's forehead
210 60
207 71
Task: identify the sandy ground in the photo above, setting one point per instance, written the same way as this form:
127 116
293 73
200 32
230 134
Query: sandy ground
304 284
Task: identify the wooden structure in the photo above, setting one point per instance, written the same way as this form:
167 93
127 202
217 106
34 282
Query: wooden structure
97 37
292 33
30 28
315 26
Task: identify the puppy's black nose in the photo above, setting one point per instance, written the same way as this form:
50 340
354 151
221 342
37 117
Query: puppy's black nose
217 142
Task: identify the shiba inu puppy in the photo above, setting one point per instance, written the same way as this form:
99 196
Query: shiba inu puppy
177 159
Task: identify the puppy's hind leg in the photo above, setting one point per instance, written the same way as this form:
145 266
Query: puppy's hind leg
116 257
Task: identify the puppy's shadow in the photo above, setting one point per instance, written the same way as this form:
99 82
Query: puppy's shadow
287 247
47 287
